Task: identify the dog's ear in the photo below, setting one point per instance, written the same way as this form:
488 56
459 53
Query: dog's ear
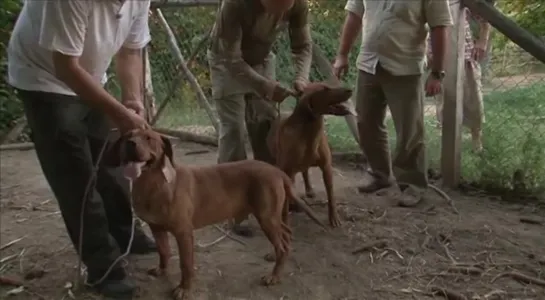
167 148
338 94
112 154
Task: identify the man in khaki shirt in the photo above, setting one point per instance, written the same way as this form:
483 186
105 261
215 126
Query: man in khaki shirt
391 63
242 70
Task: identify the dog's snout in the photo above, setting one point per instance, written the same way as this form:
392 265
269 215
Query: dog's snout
347 92
130 149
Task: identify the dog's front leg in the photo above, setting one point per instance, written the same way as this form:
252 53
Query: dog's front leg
163 248
185 252
309 191
327 175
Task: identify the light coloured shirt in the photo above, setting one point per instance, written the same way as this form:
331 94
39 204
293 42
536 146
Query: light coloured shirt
93 30
394 33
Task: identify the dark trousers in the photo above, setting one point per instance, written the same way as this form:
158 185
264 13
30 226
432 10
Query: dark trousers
68 136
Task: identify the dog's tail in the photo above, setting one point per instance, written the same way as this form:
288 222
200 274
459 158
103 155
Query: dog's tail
292 196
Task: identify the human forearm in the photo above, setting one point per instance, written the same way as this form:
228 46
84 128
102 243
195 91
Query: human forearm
351 30
129 67
238 68
484 34
68 70
439 47
301 48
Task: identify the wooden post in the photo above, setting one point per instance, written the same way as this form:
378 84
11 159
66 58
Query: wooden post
452 99
325 68
193 82
524 39
149 96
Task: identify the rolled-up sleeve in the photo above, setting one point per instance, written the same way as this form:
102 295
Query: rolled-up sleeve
64 26
300 40
139 35
355 6
227 48
437 13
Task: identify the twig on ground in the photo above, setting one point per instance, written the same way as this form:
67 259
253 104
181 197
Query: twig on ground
521 278
10 281
21 257
377 219
495 294
465 270
393 251
195 152
10 257
229 235
448 254
530 220
222 237
445 196
9 244
426 240
370 245
446 293
50 214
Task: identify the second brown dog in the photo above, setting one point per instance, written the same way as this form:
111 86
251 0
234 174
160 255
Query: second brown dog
299 142
179 199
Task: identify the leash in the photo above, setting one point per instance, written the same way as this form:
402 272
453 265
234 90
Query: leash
82 223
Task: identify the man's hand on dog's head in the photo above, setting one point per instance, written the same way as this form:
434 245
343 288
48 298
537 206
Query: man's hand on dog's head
129 120
278 93
300 85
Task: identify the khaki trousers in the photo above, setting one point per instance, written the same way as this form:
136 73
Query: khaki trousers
473 107
239 108
403 95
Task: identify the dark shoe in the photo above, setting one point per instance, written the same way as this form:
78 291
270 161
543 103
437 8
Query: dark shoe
243 230
141 243
115 286
374 186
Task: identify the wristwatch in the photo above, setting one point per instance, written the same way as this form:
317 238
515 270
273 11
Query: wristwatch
438 74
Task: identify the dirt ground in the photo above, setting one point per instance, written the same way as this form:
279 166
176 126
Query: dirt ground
423 245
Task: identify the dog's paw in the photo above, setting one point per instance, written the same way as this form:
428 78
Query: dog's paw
242 230
310 195
180 294
269 280
270 257
156 272
293 207
334 220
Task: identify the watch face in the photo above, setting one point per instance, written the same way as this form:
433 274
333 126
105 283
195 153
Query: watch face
438 74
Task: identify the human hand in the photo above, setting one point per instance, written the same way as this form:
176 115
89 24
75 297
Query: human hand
433 86
279 93
129 120
479 52
136 105
300 85
340 66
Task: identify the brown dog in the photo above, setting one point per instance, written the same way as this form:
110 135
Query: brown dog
299 142
180 199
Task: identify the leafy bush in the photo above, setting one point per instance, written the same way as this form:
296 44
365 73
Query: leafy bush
10 107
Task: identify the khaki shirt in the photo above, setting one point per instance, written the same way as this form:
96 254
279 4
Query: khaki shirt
243 39
394 32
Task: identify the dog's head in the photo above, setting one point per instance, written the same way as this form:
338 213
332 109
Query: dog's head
141 146
323 99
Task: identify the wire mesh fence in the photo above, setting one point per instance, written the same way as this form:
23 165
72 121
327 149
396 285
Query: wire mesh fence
513 85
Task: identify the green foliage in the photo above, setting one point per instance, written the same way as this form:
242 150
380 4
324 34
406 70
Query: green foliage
10 107
527 13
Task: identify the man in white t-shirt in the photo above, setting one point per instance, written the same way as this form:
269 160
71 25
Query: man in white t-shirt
58 55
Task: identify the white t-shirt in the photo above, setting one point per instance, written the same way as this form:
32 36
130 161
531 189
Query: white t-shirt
94 30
